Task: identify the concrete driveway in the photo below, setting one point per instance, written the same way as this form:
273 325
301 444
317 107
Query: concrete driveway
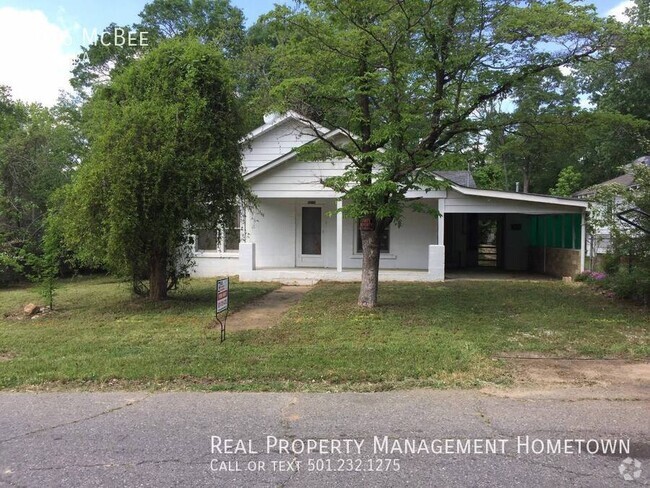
417 438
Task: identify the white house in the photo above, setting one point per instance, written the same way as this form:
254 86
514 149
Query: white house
599 241
295 235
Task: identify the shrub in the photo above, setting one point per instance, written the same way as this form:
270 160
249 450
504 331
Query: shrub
594 277
633 284
611 263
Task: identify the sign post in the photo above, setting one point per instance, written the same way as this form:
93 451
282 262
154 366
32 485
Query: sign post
222 299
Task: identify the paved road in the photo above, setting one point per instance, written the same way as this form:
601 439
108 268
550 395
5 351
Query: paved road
174 439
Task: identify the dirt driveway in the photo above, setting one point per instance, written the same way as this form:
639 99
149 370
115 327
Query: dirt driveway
576 378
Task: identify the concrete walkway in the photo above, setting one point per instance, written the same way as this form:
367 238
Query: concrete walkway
268 310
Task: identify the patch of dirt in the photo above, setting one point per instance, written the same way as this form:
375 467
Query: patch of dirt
537 376
21 315
6 356
268 310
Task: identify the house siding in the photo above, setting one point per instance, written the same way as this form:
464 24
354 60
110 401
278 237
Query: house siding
283 184
274 224
272 228
295 177
278 141
208 265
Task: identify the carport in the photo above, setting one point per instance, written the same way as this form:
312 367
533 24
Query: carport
488 230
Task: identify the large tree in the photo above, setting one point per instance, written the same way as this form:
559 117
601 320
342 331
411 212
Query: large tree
164 160
255 66
214 22
540 136
619 87
407 80
38 148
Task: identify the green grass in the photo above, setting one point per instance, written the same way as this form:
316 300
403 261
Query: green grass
438 335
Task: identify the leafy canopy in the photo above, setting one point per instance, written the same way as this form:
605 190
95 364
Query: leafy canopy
407 80
164 159
403 84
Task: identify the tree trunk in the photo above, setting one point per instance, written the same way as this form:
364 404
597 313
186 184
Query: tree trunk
370 268
158 276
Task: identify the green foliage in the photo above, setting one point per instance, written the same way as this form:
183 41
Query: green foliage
490 176
44 269
611 263
211 21
258 69
629 262
38 149
607 140
618 86
409 80
397 78
568 182
215 22
632 284
539 136
164 160
98 61
448 336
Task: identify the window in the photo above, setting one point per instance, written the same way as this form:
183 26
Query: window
226 240
206 240
232 236
384 240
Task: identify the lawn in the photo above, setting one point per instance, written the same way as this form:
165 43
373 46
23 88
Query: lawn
440 335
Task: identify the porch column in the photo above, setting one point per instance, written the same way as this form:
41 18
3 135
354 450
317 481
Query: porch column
436 263
441 222
436 254
583 240
339 236
246 256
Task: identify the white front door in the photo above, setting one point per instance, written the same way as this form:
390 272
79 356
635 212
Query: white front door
309 236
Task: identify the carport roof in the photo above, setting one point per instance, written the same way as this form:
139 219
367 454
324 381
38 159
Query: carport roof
522 197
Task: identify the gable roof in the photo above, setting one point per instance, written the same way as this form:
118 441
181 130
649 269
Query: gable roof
642 160
273 120
461 181
462 178
626 180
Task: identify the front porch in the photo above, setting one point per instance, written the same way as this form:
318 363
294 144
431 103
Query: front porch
311 276
305 239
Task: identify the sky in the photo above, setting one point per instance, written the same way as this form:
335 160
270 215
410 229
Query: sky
40 38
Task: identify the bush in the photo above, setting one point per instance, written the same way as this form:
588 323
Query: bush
611 263
593 277
633 284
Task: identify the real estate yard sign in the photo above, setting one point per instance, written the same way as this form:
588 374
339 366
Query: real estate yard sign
222 298
223 288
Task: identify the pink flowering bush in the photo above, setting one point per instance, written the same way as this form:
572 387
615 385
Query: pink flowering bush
597 277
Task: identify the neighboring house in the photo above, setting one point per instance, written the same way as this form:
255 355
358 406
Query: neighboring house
599 240
296 235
